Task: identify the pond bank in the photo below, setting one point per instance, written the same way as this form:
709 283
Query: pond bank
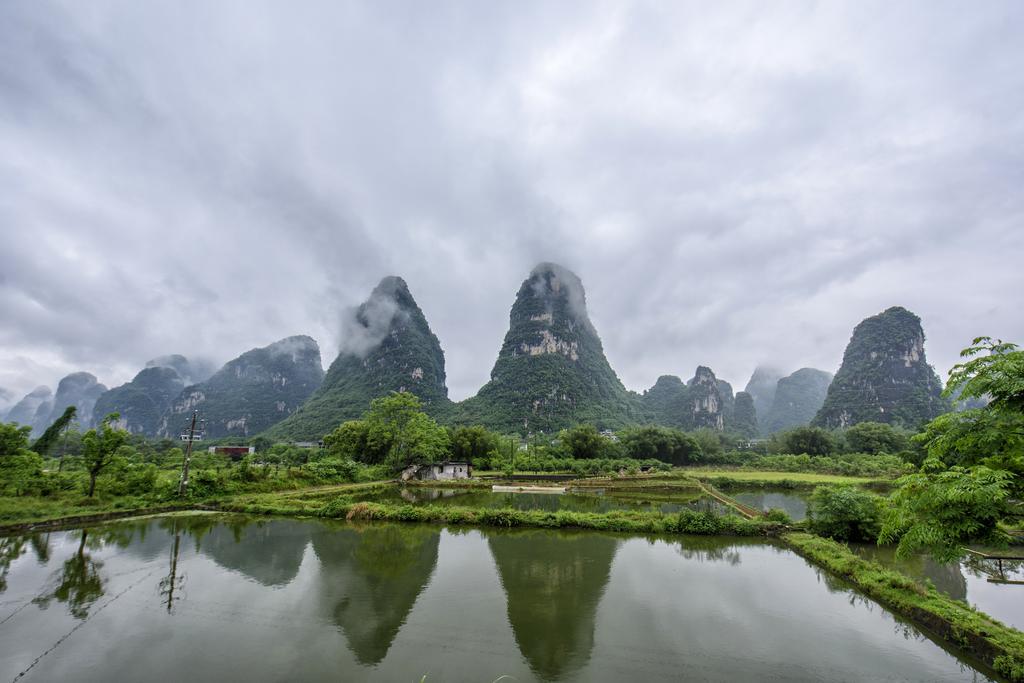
995 644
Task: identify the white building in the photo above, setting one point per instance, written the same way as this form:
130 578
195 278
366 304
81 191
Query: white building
438 471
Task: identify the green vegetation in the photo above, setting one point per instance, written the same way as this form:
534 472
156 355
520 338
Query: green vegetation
342 507
975 461
100 447
845 513
806 440
723 478
884 376
939 510
999 646
49 438
661 443
394 432
389 347
876 437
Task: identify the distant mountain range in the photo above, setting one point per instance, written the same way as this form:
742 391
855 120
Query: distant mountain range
550 373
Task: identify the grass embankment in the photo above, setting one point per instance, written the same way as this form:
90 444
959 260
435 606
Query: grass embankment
16 510
995 644
723 478
66 506
343 507
676 480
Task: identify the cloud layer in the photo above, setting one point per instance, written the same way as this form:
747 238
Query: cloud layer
735 184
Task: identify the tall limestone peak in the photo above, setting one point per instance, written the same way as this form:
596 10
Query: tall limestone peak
665 402
761 388
551 370
798 397
252 392
143 401
884 376
706 404
24 412
386 345
79 389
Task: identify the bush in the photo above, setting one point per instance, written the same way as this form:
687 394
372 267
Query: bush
808 440
332 469
129 479
845 513
778 515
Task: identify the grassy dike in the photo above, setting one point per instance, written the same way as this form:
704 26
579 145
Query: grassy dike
686 522
993 643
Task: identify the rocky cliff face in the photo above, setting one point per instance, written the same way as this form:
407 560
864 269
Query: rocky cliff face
551 370
707 407
386 346
252 392
142 402
79 389
33 410
798 398
705 402
761 388
884 376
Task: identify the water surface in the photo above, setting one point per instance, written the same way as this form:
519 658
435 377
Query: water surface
793 502
977 582
212 598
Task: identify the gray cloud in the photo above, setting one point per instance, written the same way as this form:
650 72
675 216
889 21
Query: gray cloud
733 184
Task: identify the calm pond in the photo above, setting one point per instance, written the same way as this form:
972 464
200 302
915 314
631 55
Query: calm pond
794 502
212 598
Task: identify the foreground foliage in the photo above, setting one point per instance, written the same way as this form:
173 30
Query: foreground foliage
845 513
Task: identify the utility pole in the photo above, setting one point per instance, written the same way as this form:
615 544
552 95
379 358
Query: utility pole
183 482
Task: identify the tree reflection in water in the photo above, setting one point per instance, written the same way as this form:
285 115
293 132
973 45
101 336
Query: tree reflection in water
78 583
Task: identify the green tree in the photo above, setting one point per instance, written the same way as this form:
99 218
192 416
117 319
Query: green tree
397 427
875 437
474 443
939 510
661 443
809 440
993 435
710 442
20 468
13 439
100 447
52 434
349 442
582 441
845 513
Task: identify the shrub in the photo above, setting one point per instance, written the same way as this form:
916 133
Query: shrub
845 513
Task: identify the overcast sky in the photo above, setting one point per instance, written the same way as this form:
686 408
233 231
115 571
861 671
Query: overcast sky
735 183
